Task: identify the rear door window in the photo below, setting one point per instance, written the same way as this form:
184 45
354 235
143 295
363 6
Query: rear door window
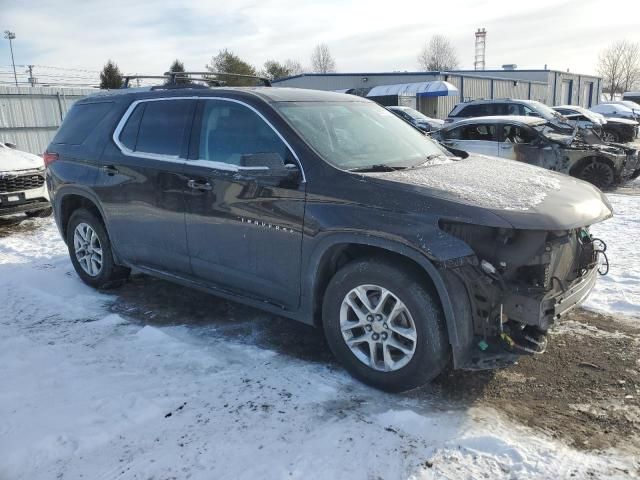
482 132
163 126
81 121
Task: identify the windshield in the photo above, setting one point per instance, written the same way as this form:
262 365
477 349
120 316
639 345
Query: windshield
359 135
416 115
546 111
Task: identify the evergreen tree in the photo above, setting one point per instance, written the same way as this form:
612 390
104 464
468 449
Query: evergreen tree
110 77
274 70
228 62
178 66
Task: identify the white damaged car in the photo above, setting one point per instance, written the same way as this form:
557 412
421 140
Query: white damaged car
22 183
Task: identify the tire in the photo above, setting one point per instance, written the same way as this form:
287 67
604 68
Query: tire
609 136
598 173
40 213
430 350
108 275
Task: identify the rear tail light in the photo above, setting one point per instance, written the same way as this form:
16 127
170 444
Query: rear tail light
49 158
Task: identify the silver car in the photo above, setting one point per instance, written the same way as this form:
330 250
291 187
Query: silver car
539 142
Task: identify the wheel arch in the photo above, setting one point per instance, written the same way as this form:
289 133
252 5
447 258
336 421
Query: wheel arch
335 251
69 200
580 164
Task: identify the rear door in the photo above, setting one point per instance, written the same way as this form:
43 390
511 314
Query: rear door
244 224
142 181
479 138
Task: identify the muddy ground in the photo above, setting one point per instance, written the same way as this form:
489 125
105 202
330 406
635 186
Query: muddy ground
585 390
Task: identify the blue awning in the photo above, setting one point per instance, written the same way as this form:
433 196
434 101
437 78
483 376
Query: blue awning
436 88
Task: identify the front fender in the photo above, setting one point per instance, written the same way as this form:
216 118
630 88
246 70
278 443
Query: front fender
318 256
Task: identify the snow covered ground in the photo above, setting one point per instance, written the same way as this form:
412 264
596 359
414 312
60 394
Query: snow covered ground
86 393
619 291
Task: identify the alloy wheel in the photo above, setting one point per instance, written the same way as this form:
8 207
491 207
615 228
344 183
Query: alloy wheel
87 248
609 137
378 328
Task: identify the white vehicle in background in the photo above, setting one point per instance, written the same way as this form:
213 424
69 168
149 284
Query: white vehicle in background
22 183
614 110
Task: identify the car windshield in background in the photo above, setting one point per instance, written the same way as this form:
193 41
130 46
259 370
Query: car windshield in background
358 135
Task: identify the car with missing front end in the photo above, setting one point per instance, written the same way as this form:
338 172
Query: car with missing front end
537 141
22 184
328 209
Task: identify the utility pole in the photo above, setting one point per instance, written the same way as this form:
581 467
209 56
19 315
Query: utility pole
11 36
32 80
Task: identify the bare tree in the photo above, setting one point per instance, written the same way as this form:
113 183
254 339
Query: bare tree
438 55
321 59
294 67
619 67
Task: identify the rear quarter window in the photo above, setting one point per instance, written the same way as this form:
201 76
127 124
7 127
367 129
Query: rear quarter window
80 121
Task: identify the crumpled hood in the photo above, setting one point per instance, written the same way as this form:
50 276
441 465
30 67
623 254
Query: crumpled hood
622 121
527 197
11 160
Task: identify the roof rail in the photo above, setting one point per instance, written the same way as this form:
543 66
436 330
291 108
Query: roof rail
127 78
207 77
171 79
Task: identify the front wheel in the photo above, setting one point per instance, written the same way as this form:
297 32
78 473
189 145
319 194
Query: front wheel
90 251
610 137
598 173
385 324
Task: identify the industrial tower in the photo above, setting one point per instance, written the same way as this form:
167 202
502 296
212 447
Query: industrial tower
481 44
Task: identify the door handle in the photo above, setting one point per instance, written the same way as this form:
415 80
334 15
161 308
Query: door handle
199 186
109 170
505 146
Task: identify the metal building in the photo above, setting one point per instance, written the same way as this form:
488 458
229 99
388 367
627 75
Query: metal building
547 86
30 116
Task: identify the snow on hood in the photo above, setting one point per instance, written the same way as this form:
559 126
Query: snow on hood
11 160
483 181
524 195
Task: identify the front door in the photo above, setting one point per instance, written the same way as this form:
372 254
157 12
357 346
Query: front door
523 144
141 184
244 223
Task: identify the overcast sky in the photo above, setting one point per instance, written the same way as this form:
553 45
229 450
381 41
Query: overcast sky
144 36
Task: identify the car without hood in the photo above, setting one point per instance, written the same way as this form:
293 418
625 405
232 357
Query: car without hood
538 142
328 209
609 130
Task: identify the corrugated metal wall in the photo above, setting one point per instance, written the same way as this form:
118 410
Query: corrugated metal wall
30 116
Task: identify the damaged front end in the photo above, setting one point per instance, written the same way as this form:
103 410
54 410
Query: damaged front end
518 283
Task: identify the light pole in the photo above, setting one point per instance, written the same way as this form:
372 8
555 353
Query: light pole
11 36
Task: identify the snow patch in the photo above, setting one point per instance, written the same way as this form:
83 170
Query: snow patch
619 291
473 180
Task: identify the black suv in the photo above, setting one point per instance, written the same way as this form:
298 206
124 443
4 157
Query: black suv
328 209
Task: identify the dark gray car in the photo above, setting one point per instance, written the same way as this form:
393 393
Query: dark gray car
330 210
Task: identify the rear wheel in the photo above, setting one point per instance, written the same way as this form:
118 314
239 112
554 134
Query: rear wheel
90 251
598 173
385 325
46 212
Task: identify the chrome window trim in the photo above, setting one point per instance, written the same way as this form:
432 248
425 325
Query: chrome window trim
176 158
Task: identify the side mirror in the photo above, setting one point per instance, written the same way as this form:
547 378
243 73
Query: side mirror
11 145
268 164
